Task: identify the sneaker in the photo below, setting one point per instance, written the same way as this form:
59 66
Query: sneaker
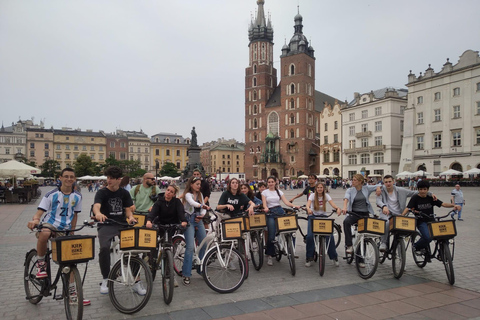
41 269
335 262
175 282
186 281
349 250
86 302
383 247
139 289
308 263
104 286
460 219
269 261
361 265
419 252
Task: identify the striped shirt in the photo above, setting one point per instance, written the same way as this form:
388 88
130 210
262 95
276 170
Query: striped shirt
60 208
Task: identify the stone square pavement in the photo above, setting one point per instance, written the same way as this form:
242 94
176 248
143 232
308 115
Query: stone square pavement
271 293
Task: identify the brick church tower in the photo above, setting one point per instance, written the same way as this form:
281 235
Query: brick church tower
281 121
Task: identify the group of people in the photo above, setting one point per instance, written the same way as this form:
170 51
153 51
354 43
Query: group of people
59 209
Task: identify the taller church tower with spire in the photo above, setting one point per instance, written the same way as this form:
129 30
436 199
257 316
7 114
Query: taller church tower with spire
281 121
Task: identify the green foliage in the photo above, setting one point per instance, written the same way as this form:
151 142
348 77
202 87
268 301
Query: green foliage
131 168
50 168
84 165
169 169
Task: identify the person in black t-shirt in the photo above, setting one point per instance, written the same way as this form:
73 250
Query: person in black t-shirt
233 201
312 180
424 203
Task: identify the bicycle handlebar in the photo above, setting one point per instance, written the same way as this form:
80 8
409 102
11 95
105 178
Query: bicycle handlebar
41 226
424 215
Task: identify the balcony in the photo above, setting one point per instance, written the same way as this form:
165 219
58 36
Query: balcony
271 157
363 134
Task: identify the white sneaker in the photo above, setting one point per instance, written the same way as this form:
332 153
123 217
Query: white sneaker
335 262
383 247
308 263
269 261
104 286
139 289
349 250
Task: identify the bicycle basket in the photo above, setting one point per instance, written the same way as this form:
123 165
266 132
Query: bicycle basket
322 226
402 225
73 249
140 220
138 239
257 221
243 222
286 223
371 225
231 230
442 229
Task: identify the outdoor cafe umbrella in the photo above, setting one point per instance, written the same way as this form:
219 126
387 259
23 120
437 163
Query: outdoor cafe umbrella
472 171
303 177
13 168
404 174
421 173
451 172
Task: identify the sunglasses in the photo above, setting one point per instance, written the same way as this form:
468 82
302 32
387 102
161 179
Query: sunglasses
196 179
150 178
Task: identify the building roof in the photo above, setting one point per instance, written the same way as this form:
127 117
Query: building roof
223 147
380 94
78 133
162 136
320 99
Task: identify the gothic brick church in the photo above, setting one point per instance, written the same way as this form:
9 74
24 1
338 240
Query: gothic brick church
282 119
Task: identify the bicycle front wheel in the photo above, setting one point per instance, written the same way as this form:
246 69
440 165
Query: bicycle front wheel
366 258
168 273
179 246
223 269
337 234
73 294
398 257
256 250
419 258
447 261
130 284
321 256
33 286
290 253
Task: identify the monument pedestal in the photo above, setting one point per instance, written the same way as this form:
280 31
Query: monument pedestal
194 160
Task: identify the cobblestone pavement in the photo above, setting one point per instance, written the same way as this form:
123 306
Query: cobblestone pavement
271 292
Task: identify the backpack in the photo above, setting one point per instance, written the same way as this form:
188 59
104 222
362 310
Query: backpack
137 189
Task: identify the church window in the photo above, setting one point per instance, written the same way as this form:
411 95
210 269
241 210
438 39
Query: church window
292 104
292 89
292 134
292 118
273 123
254 82
292 69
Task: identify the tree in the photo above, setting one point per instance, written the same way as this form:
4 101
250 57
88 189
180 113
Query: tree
50 168
84 165
169 169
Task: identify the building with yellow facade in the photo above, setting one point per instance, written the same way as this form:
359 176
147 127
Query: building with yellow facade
69 144
169 147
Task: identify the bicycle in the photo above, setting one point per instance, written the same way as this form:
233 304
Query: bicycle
337 232
286 227
322 229
163 259
255 239
66 251
223 266
401 228
443 233
365 249
129 268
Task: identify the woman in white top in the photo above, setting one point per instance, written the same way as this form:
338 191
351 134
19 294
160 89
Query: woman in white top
271 198
316 207
195 209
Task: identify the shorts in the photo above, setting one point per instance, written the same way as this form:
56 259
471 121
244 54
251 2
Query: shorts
54 234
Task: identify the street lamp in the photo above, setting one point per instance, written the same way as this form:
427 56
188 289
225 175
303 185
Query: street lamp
156 170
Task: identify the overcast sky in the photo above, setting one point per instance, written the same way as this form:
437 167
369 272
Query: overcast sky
165 66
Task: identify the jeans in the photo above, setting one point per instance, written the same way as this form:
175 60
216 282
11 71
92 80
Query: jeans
331 249
347 227
273 212
105 235
425 239
460 211
189 235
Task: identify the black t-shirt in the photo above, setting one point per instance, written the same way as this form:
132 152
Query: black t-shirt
113 204
425 205
308 191
238 201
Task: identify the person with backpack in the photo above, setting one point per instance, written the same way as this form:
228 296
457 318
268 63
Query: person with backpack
144 195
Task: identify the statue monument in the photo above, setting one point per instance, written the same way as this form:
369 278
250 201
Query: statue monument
193 153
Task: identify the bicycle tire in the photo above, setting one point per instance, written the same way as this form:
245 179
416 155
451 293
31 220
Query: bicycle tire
420 260
241 244
370 258
337 234
290 254
33 286
152 259
179 246
382 255
256 250
398 257
224 279
122 294
73 299
447 261
321 256
168 274
278 252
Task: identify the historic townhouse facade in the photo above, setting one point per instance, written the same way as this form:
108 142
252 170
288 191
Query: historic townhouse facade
169 147
138 148
281 121
373 125
442 119
13 140
39 145
117 146
227 158
330 140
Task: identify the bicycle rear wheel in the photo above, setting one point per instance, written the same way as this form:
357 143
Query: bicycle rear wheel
278 252
367 262
337 234
256 250
33 286
398 257
73 294
223 269
447 261
420 260
167 275
179 246
125 284
290 253
321 256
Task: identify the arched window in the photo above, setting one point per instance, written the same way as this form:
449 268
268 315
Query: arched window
292 118
254 95
255 109
292 69
254 137
292 172
457 166
273 123
254 82
255 123
326 172
255 160
254 68
292 104
292 134
292 89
